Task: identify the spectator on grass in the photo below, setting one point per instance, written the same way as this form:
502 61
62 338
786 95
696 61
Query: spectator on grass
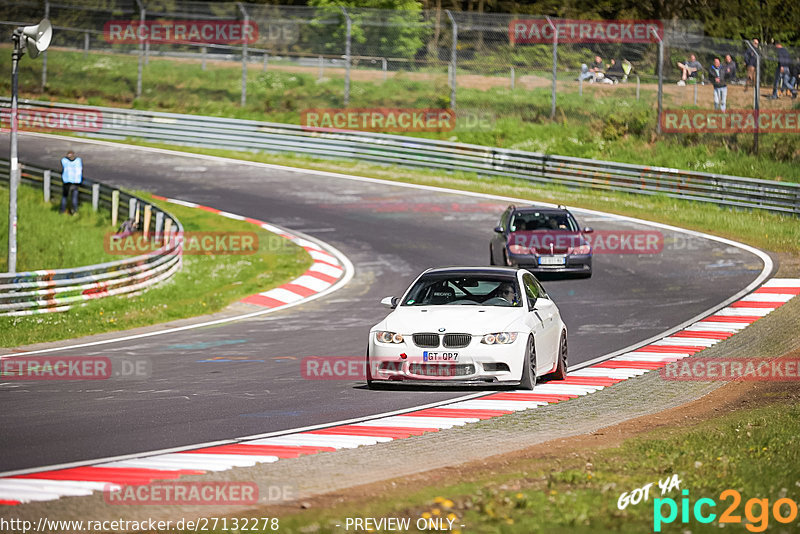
782 72
750 64
614 71
71 176
689 70
717 72
729 68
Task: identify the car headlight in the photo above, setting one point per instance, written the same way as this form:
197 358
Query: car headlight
500 338
582 249
388 337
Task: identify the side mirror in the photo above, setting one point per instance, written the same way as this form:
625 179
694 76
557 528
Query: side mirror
532 302
498 229
390 302
588 229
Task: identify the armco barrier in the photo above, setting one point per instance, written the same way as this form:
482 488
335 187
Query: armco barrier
237 134
44 291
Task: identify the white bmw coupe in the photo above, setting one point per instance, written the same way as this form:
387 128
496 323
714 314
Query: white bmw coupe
469 325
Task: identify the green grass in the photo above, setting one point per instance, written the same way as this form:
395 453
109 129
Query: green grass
79 238
754 451
205 284
598 125
762 229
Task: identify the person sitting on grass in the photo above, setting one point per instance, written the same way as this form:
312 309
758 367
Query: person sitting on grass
615 72
689 70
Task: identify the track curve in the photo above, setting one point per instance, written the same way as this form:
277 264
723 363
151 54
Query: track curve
390 233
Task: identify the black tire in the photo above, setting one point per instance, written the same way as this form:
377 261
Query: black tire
368 371
529 369
561 369
491 255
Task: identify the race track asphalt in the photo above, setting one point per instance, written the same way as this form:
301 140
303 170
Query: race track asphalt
390 233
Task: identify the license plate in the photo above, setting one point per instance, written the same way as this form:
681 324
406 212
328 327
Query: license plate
552 260
431 356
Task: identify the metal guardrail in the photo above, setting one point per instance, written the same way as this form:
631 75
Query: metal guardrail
238 134
44 291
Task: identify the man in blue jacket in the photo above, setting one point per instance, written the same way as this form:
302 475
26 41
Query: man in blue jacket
783 72
71 176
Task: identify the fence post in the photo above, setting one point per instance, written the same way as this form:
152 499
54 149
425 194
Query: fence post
580 85
244 56
95 196
46 185
755 94
148 212
266 61
203 53
348 37
133 213
637 87
85 45
142 17
159 226
384 66
114 207
660 77
453 60
147 52
555 68
44 54
695 94
513 77
321 64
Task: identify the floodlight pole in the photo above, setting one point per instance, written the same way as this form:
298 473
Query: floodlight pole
13 177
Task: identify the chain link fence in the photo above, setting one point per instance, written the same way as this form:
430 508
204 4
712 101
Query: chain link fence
485 83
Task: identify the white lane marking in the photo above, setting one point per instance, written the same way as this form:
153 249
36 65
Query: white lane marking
568 389
783 282
733 312
512 405
283 295
409 421
712 326
310 282
685 342
326 269
624 373
337 441
645 357
231 215
768 297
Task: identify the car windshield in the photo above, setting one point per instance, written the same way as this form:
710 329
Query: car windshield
471 290
536 220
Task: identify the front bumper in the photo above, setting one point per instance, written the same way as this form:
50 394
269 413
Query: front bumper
573 263
477 364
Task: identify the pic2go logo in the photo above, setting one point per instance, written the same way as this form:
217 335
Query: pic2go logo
757 511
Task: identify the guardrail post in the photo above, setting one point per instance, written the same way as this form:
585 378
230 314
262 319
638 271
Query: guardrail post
114 207
147 52
695 94
637 87
453 60
95 196
148 211
348 39
266 61
85 45
46 185
159 226
384 66
246 17
167 231
514 75
132 211
580 86
203 53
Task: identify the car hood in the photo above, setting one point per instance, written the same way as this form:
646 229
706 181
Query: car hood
476 320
